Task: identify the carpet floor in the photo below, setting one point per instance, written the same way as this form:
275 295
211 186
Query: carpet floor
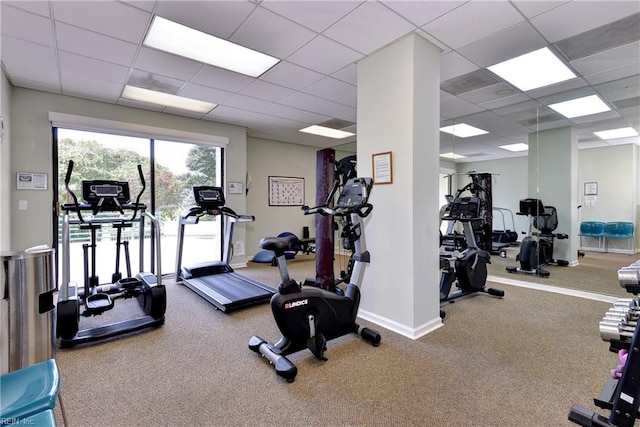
523 360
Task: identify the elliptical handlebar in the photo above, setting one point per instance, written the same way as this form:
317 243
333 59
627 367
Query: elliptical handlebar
67 179
144 186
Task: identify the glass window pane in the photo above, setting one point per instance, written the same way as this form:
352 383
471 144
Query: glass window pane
99 156
179 167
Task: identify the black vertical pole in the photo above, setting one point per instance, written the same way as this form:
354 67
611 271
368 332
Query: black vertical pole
325 161
488 214
152 206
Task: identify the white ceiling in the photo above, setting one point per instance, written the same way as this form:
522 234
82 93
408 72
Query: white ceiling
91 49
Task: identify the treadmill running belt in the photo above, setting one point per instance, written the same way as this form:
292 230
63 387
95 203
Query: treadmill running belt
230 291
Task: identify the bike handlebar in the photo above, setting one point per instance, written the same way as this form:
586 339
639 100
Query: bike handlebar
362 210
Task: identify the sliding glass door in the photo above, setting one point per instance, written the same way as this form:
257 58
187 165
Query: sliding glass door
178 167
170 170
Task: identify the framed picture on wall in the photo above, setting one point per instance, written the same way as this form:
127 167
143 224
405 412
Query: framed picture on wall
236 187
286 191
590 188
382 168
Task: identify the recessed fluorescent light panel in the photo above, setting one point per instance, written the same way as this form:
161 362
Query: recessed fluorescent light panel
181 40
617 133
581 106
516 148
166 99
533 70
452 156
463 130
328 132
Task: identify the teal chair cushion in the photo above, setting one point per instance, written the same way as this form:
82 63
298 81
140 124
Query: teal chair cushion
619 230
29 390
592 228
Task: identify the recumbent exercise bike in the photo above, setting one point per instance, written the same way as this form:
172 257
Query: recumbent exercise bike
536 249
309 316
461 261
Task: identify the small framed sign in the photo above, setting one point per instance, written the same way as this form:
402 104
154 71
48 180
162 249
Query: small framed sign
590 188
382 168
236 187
31 181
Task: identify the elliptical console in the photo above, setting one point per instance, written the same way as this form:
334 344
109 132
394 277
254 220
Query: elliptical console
309 316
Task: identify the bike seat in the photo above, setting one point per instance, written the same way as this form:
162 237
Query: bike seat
278 244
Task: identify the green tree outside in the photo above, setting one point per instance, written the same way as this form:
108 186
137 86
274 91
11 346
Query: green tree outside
94 161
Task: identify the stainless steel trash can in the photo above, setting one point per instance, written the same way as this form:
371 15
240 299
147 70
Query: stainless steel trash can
28 283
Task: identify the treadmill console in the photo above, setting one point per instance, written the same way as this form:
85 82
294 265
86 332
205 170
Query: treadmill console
208 197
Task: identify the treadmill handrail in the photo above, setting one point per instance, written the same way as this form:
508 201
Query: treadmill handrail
236 217
192 214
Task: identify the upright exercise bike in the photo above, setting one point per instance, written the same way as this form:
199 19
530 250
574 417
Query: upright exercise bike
306 315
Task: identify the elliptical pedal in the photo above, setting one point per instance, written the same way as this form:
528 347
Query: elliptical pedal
97 304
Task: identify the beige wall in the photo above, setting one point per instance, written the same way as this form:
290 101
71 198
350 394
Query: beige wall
31 151
5 162
509 185
273 158
5 218
615 169
27 147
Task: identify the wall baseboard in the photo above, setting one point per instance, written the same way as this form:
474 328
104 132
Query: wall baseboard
239 265
399 328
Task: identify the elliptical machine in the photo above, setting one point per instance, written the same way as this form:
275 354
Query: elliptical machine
536 249
309 316
464 263
114 197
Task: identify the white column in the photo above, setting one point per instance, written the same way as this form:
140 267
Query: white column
399 112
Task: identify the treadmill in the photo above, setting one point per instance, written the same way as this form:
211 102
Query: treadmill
216 281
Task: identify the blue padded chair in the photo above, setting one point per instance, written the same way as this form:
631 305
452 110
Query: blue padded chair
621 230
28 392
594 229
